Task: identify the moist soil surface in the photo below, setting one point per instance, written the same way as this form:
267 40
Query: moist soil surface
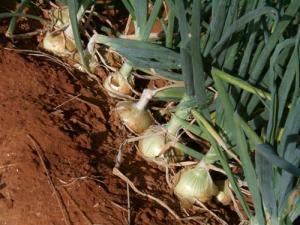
59 137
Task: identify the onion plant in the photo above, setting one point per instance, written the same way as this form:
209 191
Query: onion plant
65 40
159 141
250 50
195 184
60 43
63 36
121 83
135 115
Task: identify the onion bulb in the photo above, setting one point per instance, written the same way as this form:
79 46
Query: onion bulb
61 41
224 196
158 142
134 115
59 44
157 146
117 85
195 184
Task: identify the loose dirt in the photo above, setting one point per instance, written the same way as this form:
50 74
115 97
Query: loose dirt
78 142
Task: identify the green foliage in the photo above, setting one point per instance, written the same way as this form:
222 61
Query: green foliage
256 41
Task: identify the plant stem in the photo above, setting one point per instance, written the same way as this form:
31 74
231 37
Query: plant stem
188 151
144 99
125 70
13 21
181 112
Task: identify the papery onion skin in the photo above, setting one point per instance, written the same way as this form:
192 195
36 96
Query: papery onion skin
59 45
195 183
134 119
60 17
62 46
117 86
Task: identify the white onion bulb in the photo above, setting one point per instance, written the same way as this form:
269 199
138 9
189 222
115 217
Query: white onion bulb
153 144
134 115
195 184
156 145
